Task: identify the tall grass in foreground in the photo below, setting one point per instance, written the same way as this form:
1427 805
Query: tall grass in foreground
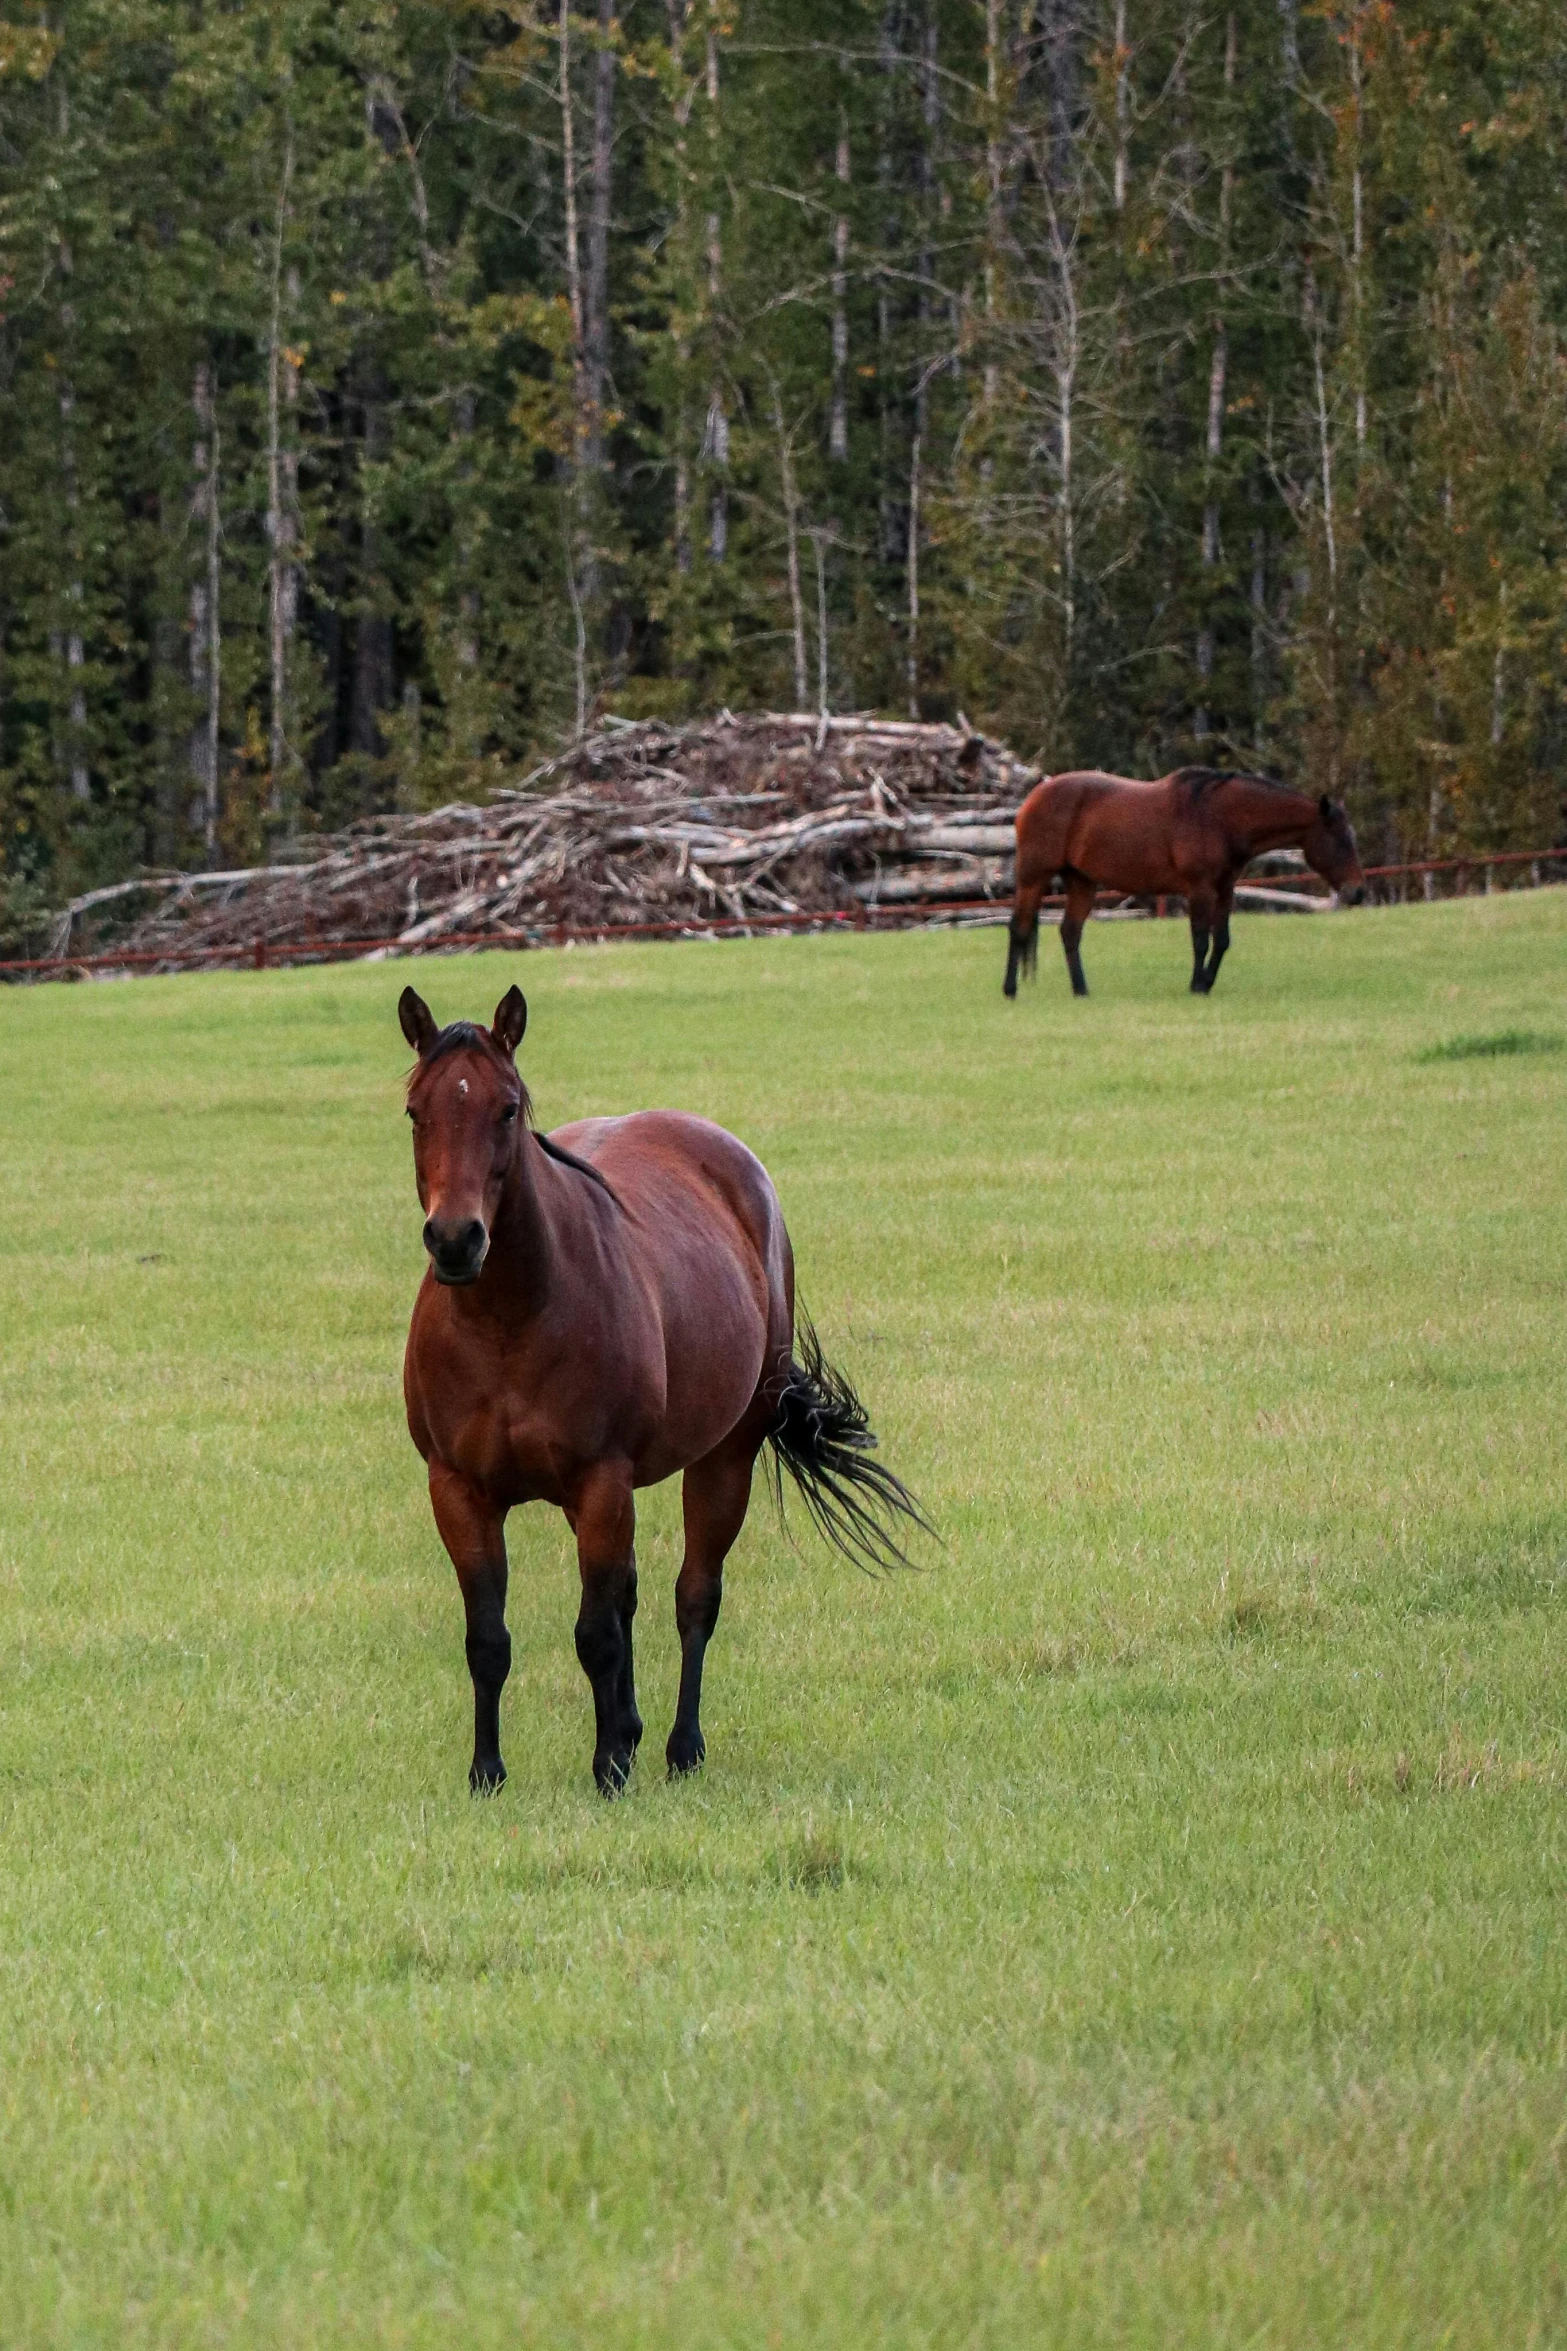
1143 1924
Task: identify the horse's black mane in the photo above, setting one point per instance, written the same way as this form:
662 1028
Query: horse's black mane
458 1035
567 1158
1198 780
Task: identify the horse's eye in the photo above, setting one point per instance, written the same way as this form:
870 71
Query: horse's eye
508 1114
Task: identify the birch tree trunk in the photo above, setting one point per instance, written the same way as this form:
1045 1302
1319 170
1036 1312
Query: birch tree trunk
206 640
715 444
791 506
578 558
70 639
1213 443
676 11
1123 108
991 378
282 509
838 422
600 199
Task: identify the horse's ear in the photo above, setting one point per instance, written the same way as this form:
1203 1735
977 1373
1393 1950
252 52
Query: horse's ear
1325 809
417 1021
511 1018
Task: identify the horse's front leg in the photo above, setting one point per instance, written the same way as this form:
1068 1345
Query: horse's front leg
604 1518
473 1530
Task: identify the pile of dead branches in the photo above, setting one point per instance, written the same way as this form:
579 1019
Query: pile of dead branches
641 823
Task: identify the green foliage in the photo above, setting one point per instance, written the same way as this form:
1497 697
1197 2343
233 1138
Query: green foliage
1145 384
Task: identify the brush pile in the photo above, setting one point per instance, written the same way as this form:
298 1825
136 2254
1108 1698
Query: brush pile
720 821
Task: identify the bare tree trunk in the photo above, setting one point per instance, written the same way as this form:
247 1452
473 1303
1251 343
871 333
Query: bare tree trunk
206 641
913 567
1066 390
676 11
75 645
818 540
715 442
580 661
1218 369
465 414
282 592
838 426
70 641
1358 234
993 219
930 110
600 197
574 302
1324 444
1123 105
791 503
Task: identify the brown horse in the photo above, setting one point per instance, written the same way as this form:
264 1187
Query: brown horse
1189 835
601 1309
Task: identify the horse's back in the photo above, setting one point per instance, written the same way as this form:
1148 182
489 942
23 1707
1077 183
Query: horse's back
647 1155
706 1234
1096 824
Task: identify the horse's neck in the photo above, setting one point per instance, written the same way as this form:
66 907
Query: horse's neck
1270 820
524 1241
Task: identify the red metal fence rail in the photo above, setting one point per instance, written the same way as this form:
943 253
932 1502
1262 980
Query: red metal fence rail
265 954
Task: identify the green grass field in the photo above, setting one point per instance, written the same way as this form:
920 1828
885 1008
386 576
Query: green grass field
1146 1924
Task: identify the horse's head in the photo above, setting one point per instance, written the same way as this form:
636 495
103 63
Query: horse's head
467 1104
1330 850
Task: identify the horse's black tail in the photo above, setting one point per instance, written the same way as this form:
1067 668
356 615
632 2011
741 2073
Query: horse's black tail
822 1436
1022 948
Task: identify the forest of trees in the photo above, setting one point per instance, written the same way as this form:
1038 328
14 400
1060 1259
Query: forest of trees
389 391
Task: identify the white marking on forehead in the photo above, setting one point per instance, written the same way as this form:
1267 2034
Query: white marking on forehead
462 1085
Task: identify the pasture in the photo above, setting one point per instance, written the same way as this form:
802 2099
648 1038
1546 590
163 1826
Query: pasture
1144 1924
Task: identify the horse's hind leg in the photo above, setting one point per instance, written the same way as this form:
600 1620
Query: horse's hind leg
604 1521
1200 904
1221 932
714 1497
1080 894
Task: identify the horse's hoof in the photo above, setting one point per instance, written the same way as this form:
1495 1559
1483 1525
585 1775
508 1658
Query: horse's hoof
611 1771
486 1779
686 1752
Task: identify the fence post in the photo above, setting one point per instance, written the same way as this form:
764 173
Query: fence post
261 955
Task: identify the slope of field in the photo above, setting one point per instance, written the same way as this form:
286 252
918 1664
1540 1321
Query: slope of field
1145 1924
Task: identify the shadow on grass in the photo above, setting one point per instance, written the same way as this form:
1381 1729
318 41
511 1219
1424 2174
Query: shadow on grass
1493 1048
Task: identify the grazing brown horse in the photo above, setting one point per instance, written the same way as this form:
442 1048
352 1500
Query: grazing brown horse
602 1308
1189 835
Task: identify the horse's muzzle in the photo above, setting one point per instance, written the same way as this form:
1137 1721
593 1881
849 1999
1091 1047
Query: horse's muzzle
457 1251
